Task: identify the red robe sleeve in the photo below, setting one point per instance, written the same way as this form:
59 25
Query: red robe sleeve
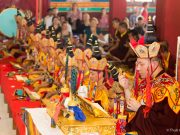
161 120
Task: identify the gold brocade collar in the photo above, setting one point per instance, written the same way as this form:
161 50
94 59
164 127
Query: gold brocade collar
98 84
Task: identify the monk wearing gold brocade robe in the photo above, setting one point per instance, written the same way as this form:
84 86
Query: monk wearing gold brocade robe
97 91
156 99
81 58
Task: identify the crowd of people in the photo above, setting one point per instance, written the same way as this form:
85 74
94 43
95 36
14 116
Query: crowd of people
63 55
76 24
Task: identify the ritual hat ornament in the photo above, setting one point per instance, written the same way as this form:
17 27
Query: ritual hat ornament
97 65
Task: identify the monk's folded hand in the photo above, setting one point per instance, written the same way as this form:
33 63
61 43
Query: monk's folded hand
133 104
123 81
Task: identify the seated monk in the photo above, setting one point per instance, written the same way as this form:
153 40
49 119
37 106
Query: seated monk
97 91
81 58
64 80
47 84
155 100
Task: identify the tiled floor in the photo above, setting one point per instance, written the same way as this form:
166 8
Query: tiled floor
6 123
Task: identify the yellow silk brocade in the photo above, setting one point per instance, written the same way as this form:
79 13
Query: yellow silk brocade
171 92
104 126
100 95
166 61
163 87
34 76
51 89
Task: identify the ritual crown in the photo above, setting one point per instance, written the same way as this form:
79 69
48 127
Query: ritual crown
51 42
88 53
71 61
146 51
44 42
98 65
37 37
80 55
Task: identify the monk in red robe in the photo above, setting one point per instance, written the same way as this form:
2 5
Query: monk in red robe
154 102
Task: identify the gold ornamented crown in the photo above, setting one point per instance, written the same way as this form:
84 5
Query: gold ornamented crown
80 55
37 37
148 51
71 61
72 103
98 65
52 52
88 53
65 89
51 42
44 42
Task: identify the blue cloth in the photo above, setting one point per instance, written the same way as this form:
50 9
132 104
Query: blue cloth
78 113
8 24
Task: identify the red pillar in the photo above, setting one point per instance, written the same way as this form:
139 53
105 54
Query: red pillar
168 25
25 4
117 10
168 22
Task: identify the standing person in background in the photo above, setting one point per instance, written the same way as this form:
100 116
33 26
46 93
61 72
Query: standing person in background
144 12
74 17
48 18
85 25
55 12
104 21
140 23
133 17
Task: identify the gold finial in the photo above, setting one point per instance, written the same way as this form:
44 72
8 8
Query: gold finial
65 88
120 71
69 41
150 18
58 35
40 21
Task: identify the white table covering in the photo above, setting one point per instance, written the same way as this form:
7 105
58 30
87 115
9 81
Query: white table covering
42 121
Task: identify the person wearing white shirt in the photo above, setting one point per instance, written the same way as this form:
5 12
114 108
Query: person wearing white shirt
48 19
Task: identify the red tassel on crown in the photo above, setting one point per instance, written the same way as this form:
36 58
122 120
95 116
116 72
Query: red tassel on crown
134 43
148 95
136 84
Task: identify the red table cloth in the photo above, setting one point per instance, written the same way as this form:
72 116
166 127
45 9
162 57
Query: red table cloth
8 86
